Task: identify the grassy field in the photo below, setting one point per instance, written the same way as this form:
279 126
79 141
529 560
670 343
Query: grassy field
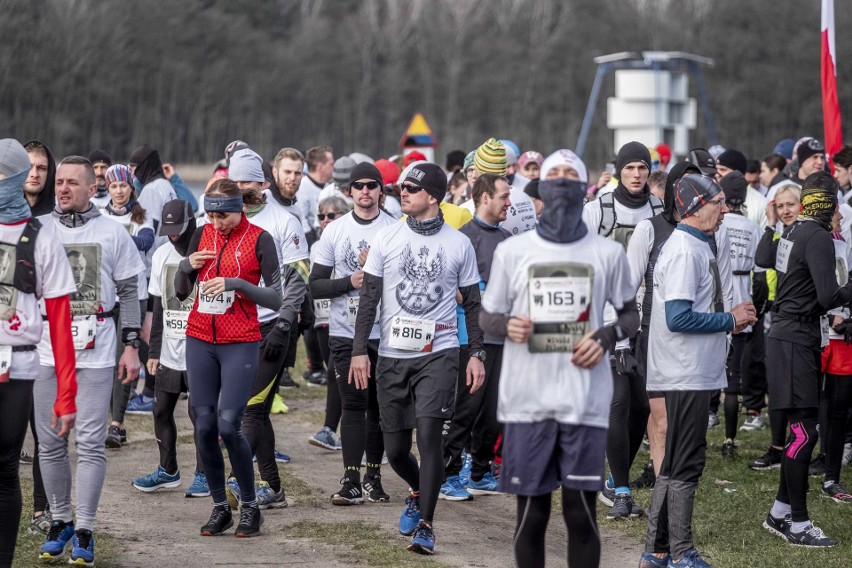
731 504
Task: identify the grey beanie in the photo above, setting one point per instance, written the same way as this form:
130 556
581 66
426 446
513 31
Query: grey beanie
246 165
342 168
13 158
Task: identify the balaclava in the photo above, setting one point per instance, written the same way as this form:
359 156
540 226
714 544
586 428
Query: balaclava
15 167
561 219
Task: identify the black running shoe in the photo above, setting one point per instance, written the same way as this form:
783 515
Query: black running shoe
770 460
624 507
374 490
287 381
220 521
250 522
646 480
729 450
817 467
812 537
778 527
349 494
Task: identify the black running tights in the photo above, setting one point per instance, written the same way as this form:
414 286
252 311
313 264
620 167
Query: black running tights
165 429
428 477
838 398
14 396
578 510
628 419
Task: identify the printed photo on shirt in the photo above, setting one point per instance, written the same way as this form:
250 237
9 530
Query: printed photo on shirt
85 261
8 293
170 300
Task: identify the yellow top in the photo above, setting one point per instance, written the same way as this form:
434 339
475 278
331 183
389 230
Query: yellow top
454 216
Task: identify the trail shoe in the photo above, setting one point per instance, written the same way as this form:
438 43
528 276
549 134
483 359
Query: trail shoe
811 537
40 524
220 521
317 379
350 493
624 508
607 495
770 460
453 490
423 541
140 404
373 488
199 487
269 499
485 486
753 422
155 480
250 522
115 437
287 381
847 453
729 449
83 549
778 527
281 457
837 492
26 457
58 538
232 493
326 438
817 466
712 420
646 479
410 515
691 559
278 406
650 560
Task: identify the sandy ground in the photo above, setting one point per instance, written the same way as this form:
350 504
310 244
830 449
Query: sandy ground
161 529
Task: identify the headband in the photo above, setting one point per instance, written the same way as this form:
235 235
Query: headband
223 204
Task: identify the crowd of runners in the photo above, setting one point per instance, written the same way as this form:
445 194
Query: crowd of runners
528 328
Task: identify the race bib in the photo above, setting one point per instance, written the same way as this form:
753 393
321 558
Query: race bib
560 297
782 257
322 310
5 362
352 303
412 334
214 303
174 323
83 332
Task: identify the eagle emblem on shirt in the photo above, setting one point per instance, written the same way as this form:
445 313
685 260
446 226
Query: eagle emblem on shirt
350 255
420 290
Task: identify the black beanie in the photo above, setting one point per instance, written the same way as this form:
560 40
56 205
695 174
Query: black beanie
632 152
531 189
735 186
96 156
808 148
365 170
733 159
430 177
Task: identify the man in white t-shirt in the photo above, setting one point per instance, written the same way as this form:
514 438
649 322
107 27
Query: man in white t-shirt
320 162
415 269
49 279
686 360
546 294
287 171
111 278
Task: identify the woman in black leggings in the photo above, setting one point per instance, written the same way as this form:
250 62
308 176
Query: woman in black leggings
227 257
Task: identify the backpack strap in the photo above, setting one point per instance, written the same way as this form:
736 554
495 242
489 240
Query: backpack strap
607 223
25 272
656 205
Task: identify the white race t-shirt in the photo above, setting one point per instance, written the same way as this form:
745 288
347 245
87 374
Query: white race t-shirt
743 235
421 275
307 197
100 252
339 246
20 316
294 210
153 196
685 361
842 262
552 282
164 266
133 230
290 242
520 217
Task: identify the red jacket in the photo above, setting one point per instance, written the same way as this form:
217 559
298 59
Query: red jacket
235 257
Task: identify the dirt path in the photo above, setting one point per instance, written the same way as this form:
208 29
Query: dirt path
161 529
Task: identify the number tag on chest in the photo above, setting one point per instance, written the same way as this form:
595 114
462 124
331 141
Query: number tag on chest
174 323
412 334
322 310
214 303
560 298
782 257
352 303
83 332
5 362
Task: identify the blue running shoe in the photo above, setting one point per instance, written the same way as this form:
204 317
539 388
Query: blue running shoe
279 457
269 499
649 560
199 487
424 539
467 464
607 496
410 515
232 492
453 490
691 559
158 479
58 537
485 486
140 404
83 551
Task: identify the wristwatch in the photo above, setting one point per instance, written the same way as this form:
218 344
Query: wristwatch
479 355
134 343
131 339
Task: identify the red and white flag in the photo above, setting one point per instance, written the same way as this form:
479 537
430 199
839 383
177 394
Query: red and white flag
828 74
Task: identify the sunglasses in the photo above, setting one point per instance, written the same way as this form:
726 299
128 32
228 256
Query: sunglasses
331 216
359 185
410 188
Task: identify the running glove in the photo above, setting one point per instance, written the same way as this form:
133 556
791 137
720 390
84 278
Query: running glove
278 341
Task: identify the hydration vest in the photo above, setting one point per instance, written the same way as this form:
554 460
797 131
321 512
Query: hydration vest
25 272
609 221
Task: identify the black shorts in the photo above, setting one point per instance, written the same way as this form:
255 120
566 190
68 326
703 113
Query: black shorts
793 373
538 457
171 380
421 387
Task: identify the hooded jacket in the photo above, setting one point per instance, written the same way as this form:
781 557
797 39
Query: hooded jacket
47 198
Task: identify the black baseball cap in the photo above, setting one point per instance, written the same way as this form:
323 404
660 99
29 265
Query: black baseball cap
703 160
176 216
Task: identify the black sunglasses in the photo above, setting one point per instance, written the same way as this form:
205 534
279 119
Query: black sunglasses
410 188
359 185
322 216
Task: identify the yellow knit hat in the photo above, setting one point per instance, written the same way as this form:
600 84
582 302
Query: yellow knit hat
490 158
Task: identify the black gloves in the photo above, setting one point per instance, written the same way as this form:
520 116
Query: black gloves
278 341
625 363
844 328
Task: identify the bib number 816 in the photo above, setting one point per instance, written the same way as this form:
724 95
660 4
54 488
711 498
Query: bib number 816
412 333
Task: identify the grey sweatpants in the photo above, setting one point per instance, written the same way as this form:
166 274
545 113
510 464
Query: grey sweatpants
94 387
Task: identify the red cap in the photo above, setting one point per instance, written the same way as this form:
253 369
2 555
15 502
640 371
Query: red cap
664 151
389 171
413 156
